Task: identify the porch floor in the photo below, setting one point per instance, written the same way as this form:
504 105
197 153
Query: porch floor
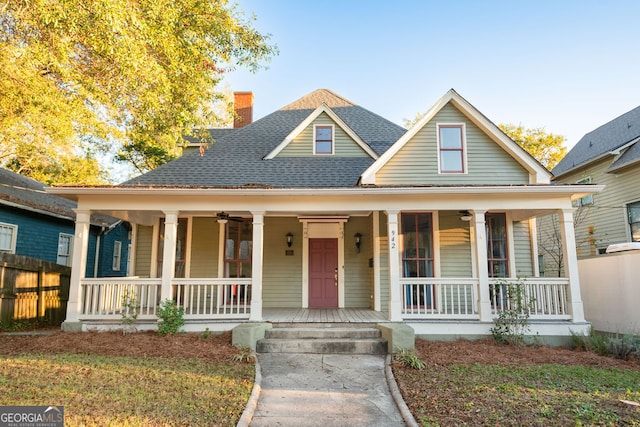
323 315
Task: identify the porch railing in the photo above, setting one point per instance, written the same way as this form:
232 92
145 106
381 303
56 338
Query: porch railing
204 299
540 297
438 298
213 298
110 298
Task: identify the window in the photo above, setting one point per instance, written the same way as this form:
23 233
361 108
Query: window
8 234
586 200
238 248
65 248
181 245
496 226
323 139
633 212
117 253
417 258
451 148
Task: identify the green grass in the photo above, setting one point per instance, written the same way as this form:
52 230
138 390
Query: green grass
544 395
126 391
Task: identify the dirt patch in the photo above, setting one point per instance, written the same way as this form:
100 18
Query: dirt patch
141 344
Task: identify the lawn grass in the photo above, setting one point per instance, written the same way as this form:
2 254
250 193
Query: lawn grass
507 395
98 390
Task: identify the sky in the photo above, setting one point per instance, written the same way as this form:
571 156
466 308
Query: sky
566 66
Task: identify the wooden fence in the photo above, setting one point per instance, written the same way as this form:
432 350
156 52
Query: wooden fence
33 290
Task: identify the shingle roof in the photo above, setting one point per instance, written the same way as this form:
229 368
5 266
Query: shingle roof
29 193
237 158
608 137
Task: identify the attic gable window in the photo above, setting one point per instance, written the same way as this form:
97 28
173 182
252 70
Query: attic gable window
451 148
323 139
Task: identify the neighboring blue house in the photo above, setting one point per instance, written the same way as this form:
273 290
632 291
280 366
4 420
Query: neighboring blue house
40 225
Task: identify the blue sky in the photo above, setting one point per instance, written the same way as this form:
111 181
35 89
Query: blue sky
568 66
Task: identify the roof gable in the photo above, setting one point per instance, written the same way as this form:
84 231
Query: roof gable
322 109
538 173
609 139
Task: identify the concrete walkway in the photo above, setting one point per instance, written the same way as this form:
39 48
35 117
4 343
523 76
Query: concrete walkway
323 390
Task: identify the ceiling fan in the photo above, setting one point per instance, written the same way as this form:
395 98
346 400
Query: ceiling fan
224 217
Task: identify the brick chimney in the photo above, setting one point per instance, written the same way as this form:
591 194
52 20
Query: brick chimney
243 108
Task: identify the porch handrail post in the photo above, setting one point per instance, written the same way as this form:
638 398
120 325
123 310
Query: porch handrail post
169 254
571 264
480 234
79 264
256 267
395 298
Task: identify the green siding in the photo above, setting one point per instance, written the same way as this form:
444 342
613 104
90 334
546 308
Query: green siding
282 274
522 249
417 161
205 244
302 145
143 251
455 245
358 276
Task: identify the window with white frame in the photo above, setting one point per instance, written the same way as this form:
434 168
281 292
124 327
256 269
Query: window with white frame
323 139
586 200
65 249
117 255
451 148
633 213
8 234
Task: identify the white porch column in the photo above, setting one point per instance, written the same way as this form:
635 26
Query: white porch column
480 235
169 253
78 264
376 260
256 267
571 263
395 294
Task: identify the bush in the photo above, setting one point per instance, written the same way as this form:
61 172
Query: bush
625 347
172 317
409 358
512 322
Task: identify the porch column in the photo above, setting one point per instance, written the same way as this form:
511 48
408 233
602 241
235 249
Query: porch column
169 253
480 235
395 295
571 263
78 265
256 267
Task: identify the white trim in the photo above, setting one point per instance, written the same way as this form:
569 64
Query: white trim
511 244
435 236
538 174
463 135
333 140
133 248
155 238
376 260
533 242
306 122
14 237
187 250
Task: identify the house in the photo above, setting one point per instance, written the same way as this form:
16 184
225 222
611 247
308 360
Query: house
608 155
323 210
36 224
607 224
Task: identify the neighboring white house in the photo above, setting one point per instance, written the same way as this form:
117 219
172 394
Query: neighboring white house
324 204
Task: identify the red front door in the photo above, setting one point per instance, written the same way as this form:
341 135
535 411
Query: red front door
323 273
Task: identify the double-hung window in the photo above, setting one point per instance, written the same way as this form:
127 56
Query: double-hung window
8 233
323 139
65 247
117 255
417 259
451 148
633 213
497 254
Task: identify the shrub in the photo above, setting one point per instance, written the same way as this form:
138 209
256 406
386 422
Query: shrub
129 312
172 317
512 322
409 358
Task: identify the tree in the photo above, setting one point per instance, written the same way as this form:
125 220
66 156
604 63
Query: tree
546 147
81 77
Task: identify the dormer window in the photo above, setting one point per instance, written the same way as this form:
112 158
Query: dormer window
451 148
323 139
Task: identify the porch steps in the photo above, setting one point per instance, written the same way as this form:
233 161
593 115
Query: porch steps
325 338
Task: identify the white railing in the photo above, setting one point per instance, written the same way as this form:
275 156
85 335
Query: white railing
438 298
213 298
541 297
111 298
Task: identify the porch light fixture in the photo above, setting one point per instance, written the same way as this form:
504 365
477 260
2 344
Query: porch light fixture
289 239
466 216
357 237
